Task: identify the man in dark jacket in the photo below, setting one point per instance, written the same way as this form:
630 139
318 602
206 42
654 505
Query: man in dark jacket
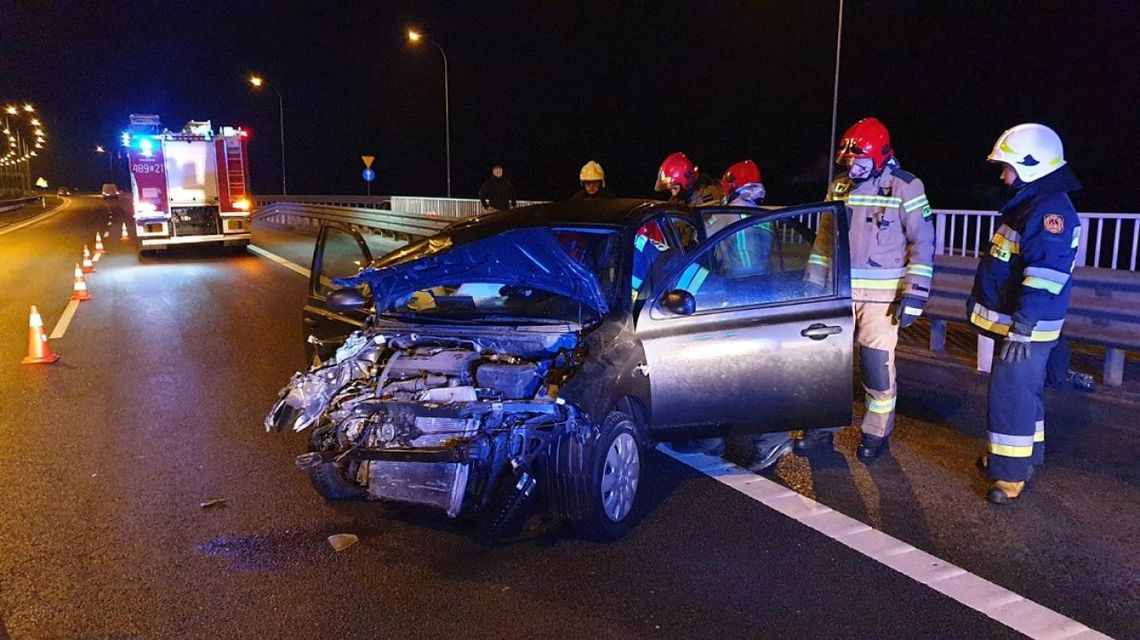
1020 298
497 194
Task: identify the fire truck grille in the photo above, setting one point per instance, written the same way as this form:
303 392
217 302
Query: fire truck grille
195 221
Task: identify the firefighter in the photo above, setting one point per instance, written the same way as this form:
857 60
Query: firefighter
593 180
745 255
1020 297
685 184
892 263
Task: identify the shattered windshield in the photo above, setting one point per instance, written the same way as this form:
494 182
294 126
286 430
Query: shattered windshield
559 273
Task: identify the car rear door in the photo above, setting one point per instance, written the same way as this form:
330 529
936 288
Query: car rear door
768 346
340 252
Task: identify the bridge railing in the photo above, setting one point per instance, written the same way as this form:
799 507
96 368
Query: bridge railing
1108 240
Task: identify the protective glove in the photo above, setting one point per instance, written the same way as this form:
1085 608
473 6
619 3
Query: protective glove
908 310
1015 347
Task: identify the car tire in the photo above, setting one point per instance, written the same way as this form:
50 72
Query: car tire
613 474
329 480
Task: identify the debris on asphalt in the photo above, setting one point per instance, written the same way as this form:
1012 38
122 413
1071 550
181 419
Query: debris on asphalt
342 541
213 502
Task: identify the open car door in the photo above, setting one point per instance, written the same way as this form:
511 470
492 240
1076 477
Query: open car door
340 252
753 331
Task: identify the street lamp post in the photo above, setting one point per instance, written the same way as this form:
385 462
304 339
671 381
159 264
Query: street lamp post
416 36
835 97
110 162
257 82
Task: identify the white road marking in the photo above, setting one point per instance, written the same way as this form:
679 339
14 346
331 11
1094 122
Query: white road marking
39 218
64 320
278 259
1005 606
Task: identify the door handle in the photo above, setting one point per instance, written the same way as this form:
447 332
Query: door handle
820 331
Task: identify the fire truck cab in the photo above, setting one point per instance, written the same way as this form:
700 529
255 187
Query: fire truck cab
189 186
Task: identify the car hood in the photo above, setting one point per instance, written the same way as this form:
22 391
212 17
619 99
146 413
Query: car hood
526 257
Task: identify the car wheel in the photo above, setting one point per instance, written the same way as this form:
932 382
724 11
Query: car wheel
331 481
612 480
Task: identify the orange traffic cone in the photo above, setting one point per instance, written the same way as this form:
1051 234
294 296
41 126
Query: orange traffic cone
39 351
88 266
79 290
99 244
125 236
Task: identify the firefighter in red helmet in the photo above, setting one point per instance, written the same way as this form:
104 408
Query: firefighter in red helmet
892 263
685 184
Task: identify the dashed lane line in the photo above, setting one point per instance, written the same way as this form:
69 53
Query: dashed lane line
981 595
278 259
64 320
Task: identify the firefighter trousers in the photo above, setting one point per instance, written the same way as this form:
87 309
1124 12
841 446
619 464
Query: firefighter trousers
1017 414
877 334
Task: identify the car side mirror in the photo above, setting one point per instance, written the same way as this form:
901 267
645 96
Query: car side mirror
680 302
345 300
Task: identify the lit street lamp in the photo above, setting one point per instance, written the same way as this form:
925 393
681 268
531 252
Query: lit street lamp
257 82
110 162
414 37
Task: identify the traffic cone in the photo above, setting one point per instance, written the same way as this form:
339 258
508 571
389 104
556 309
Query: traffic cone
39 351
125 236
79 289
88 266
99 244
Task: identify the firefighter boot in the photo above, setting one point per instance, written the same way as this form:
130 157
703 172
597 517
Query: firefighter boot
983 463
815 439
767 451
872 447
1004 491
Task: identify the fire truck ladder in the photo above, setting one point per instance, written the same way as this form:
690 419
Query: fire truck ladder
235 169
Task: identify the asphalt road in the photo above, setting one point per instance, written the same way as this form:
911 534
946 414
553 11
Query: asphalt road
156 407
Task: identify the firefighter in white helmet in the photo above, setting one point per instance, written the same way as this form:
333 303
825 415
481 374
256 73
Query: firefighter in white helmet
1020 298
593 180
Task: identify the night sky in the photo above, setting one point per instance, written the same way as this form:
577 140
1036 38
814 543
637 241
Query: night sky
541 87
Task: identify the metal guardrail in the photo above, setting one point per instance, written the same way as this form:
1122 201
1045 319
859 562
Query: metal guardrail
397 224
16 203
443 207
1104 309
355 202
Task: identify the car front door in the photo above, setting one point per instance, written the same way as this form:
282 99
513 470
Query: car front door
753 331
340 252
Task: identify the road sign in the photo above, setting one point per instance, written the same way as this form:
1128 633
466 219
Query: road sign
369 175
367 162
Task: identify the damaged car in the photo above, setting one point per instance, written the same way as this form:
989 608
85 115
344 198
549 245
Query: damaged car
538 353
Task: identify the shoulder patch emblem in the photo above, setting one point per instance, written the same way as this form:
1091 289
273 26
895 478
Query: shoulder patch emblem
1054 223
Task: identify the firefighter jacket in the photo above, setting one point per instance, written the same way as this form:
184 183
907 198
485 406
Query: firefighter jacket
891 237
1025 279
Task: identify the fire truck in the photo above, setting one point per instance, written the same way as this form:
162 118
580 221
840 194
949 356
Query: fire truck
189 186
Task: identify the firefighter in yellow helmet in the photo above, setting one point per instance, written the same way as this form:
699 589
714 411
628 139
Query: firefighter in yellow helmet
593 180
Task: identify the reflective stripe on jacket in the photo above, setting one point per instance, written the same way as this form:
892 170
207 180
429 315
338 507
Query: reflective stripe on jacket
892 236
1026 277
